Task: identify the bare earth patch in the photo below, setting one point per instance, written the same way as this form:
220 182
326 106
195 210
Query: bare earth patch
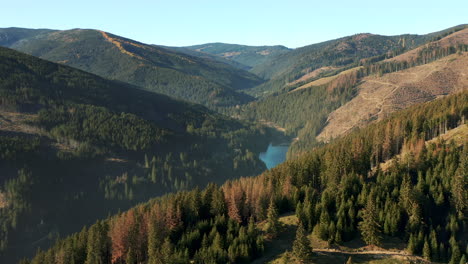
16 122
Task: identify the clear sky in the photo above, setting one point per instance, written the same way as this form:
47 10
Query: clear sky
292 23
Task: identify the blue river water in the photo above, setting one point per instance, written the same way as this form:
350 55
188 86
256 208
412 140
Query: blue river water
274 155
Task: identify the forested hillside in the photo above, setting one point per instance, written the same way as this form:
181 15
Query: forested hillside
200 80
327 57
249 56
75 147
324 107
339 192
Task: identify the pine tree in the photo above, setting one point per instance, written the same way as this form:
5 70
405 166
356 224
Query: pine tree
455 249
153 243
153 174
273 224
463 260
166 253
370 228
427 250
301 245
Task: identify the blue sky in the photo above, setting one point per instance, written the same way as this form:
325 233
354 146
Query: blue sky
293 23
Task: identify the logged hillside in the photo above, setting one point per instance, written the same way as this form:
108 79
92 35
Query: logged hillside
378 95
75 147
157 69
327 57
338 193
319 108
249 56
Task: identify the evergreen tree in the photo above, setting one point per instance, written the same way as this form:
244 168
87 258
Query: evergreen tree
273 224
301 245
167 251
455 251
153 243
427 250
370 228
463 259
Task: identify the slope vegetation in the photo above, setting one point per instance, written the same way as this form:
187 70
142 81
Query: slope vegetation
335 191
249 56
75 147
154 68
380 95
344 52
320 108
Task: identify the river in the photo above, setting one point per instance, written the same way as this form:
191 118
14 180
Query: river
274 155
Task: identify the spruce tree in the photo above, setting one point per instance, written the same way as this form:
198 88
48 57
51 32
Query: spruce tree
301 246
427 250
455 249
463 260
370 228
273 224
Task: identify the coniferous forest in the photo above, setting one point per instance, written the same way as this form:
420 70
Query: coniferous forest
115 151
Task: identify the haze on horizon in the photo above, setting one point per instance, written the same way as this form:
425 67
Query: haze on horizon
294 23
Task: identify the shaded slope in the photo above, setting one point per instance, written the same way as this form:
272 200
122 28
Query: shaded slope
154 68
75 147
333 190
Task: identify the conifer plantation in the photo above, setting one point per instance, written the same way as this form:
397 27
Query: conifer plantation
150 154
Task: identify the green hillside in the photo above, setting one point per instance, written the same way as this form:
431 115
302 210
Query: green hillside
209 56
338 192
303 109
249 56
75 147
346 52
195 79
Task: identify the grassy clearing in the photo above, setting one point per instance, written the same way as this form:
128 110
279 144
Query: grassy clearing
278 250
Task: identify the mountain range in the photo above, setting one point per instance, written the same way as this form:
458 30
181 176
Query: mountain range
93 125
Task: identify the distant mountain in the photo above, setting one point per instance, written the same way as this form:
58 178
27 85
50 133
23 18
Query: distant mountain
284 69
200 80
209 56
75 147
9 36
250 56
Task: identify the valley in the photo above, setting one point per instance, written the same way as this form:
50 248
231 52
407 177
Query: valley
118 151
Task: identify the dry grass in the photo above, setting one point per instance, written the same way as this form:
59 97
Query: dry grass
380 96
325 80
312 74
3 201
391 250
17 122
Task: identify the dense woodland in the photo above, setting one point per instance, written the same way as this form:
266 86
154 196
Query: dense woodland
196 79
90 149
77 148
339 192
